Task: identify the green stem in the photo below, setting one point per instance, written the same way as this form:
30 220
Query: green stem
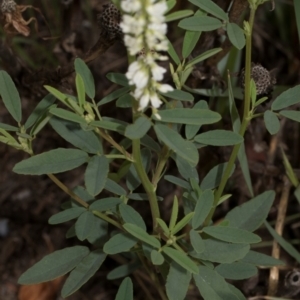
148 186
245 121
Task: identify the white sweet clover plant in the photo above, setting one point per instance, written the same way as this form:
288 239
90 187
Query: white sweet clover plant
145 31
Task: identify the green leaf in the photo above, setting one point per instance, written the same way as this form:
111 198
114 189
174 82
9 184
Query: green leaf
184 168
190 39
213 177
157 258
54 265
114 126
54 161
138 129
181 259
67 115
96 174
174 141
183 222
170 5
260 259
83 272
65 99
98 232
212 286
142 235
10 96
114 188
237 293
291 114
179 95
287 98
130 215
236 270
191 130
196 241
120 242
203 207
123 270
178 282
113 96
149 142
232 234
40 110
221 252
212 8
200 23
163 226
125 101
118 78
219 138
80 90
271 121
283 243
83 70
173 54
297 13
178 15
250 215
8 127
174 214
105 204
203 56
75 135
141 197
236 35
66 215
177 181
189 116
84 225
125 291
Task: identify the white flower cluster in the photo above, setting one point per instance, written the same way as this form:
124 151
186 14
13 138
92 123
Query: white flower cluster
145 31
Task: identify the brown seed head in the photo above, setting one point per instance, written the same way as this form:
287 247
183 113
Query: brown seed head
8 6
264 80
109 20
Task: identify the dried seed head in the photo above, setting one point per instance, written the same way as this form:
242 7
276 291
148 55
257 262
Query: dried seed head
292 279
8 6
264 80
109 20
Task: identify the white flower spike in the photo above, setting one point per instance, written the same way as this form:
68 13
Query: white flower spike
145 31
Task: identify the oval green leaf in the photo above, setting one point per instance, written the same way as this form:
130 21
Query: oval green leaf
125 291
232 234
179 95
219 138
83 70
174 141
96 174
142 235
10 96
291 114
272 122
84 225
54 265
236 270
130 215
66 215
53 161
120 242
157 258
83 272
200 23
182 259
236 35
189 116
287 98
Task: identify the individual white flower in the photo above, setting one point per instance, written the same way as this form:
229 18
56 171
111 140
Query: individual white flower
165 88
155 101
